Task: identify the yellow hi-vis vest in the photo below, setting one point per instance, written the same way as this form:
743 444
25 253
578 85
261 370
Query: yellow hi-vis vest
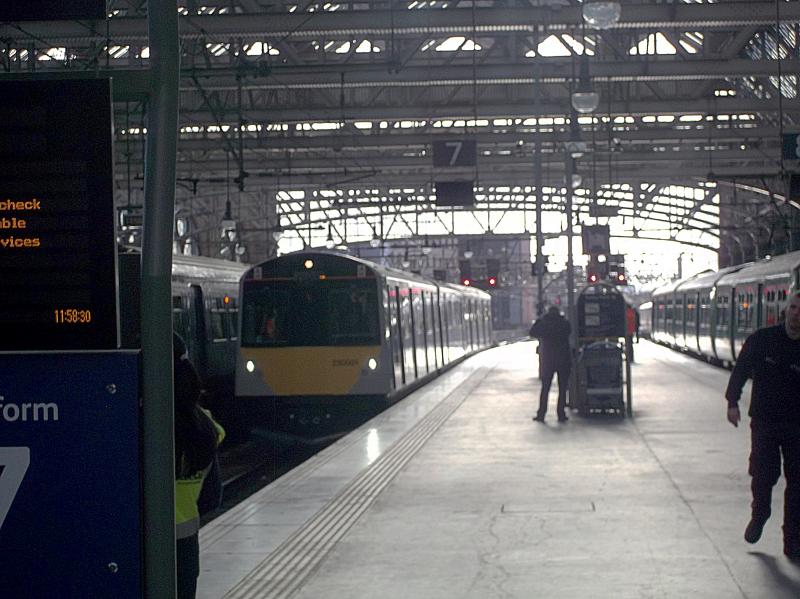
187 492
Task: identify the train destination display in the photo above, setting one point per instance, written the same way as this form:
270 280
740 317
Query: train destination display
57 240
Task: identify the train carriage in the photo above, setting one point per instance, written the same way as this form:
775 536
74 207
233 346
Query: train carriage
711 314
205 293
327 338
757 293
665 308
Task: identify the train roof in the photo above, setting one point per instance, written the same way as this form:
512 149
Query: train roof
473 291
199 267
182 264
707 279
775 268
669 287
384 271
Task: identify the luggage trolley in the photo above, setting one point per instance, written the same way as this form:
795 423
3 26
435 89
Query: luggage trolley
601 383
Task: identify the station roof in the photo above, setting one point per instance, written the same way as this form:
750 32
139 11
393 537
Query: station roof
306 115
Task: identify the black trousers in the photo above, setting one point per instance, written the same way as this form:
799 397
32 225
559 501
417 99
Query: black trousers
546 373
769 442
187 560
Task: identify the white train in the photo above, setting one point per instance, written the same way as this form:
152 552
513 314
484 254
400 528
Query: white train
712 313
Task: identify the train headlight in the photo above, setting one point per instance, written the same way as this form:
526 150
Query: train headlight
251 366
372 363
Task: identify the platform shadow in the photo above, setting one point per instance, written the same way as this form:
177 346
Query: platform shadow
776 568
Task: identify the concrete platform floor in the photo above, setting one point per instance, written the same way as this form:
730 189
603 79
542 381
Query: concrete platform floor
494 505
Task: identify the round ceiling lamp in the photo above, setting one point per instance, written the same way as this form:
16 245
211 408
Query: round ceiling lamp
601 14
585 102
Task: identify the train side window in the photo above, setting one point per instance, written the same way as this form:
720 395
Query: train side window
218 324
180 316
232 323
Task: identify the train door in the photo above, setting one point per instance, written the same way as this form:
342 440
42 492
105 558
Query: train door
420 332
444 335
430 331
723 335
396 336
198 331
769 305
471 323
742 321
668 331
455 327
407 327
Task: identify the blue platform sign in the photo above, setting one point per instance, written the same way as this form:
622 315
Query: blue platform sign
69 476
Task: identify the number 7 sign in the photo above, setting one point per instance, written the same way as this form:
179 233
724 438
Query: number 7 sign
14 462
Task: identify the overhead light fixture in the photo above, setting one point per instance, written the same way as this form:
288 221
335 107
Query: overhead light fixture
277 233
585 102
576 149
406 262
329 243
468 254
375 241
601 14
584 99
426 247
576 181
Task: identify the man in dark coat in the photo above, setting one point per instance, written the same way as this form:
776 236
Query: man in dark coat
771 357
552 330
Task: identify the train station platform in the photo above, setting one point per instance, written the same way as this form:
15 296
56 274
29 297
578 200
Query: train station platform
456 493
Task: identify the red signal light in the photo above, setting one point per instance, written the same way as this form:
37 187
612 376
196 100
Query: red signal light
466 282
492 282
593 278
620 278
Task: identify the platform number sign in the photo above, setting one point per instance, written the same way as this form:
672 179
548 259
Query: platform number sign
791 146
70 507
458 152
14 462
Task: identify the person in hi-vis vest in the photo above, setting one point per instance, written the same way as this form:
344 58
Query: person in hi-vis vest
197 436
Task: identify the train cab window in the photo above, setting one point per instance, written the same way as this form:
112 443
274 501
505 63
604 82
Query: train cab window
353 312
310 313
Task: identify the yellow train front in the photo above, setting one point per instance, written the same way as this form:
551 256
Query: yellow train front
328 340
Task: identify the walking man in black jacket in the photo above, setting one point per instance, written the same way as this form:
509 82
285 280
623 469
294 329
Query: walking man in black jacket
553 331
771 357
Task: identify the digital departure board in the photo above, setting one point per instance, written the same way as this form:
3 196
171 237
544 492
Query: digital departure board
57 240
51 10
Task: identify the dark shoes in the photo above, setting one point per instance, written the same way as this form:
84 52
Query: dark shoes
753 531
538 418
791 549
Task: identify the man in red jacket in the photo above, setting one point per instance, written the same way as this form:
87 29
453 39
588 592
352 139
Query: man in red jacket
771 357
